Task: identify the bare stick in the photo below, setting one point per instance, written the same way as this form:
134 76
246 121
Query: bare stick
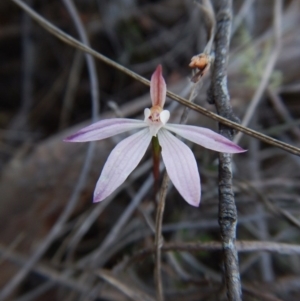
132 292
73 42
227 208
158 237
281 110
242 247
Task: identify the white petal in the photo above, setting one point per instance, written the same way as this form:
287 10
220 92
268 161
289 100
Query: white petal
164 116
181 166
105 128
121 162
205 137
147 113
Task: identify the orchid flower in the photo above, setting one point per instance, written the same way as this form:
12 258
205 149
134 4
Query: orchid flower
178 158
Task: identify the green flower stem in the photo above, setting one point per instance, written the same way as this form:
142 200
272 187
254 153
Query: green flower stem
156 150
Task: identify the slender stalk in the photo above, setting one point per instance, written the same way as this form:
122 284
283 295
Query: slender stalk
227 208
158 240
156 150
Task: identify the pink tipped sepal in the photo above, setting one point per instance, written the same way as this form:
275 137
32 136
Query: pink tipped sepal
158 88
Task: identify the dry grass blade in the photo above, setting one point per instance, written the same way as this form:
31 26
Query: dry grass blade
47 272
131 292
257 294
158 243
269 204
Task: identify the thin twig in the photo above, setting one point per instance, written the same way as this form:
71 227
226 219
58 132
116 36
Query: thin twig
95 213
241 246
208 11
194 247
73 42
284 113
227 207
145 232
132 293
270 205
51 274
114 232
158 236
258 295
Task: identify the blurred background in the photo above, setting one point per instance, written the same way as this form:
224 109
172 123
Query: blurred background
46 95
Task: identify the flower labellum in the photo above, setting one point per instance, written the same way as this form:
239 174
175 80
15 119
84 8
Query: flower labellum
178 158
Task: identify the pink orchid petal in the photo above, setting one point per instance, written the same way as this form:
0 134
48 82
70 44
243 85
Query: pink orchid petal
181 167
158 88
121 162
105 128
205 137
